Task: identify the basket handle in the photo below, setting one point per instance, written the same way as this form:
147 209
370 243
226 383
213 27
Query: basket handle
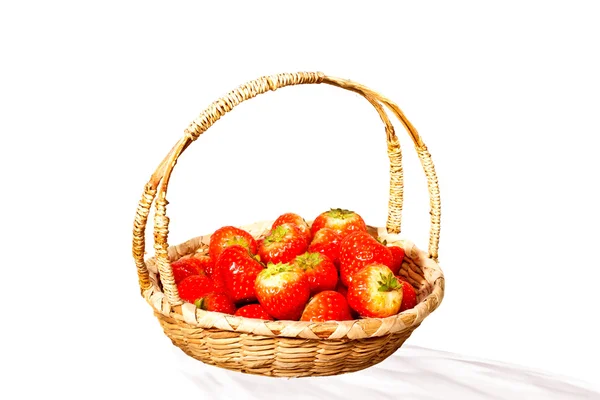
215 111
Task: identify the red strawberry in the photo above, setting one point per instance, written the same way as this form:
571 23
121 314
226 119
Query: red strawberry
320 271
237 270
359 249
183 268
282 244
218 281
397 258
341 288
283 291
253 311
327 242
294 219
328 305
194 287
204 263
409 296
230 236
342 221
218 302
375 292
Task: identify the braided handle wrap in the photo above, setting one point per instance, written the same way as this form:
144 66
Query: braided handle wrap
219 108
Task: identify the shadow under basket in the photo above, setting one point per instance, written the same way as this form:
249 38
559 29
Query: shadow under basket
286 348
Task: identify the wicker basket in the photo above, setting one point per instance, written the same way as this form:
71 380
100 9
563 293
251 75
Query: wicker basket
286 348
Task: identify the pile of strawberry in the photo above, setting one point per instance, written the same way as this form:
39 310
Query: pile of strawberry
331 270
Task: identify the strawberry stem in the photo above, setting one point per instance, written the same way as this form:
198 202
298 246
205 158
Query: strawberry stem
388 282
340 213
199 303
276 234
274 269
239 241
308 260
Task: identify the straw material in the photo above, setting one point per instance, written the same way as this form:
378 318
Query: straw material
293 348
286 348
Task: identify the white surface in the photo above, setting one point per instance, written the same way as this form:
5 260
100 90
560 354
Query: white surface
92 96
412 372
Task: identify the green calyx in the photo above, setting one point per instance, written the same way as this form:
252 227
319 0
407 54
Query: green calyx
274 269
277 234
308 260
199 303
340 213
388 282
238 240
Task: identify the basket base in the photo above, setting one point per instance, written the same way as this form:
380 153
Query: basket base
279 356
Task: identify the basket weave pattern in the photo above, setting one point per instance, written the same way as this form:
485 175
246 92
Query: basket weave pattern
286 348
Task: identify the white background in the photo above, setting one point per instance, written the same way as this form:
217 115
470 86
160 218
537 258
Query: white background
92 96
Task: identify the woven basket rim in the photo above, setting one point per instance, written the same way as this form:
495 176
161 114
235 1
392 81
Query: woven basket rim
344 330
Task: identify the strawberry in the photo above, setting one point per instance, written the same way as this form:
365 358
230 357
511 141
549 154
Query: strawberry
229 236
217 302
282 290
342 221
359 249
327 242
409 296
253 311
282 244
341 288
319 270
237 270
328 305
397 258
294 219
204 263
194 287
375 292
183 268
218 281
